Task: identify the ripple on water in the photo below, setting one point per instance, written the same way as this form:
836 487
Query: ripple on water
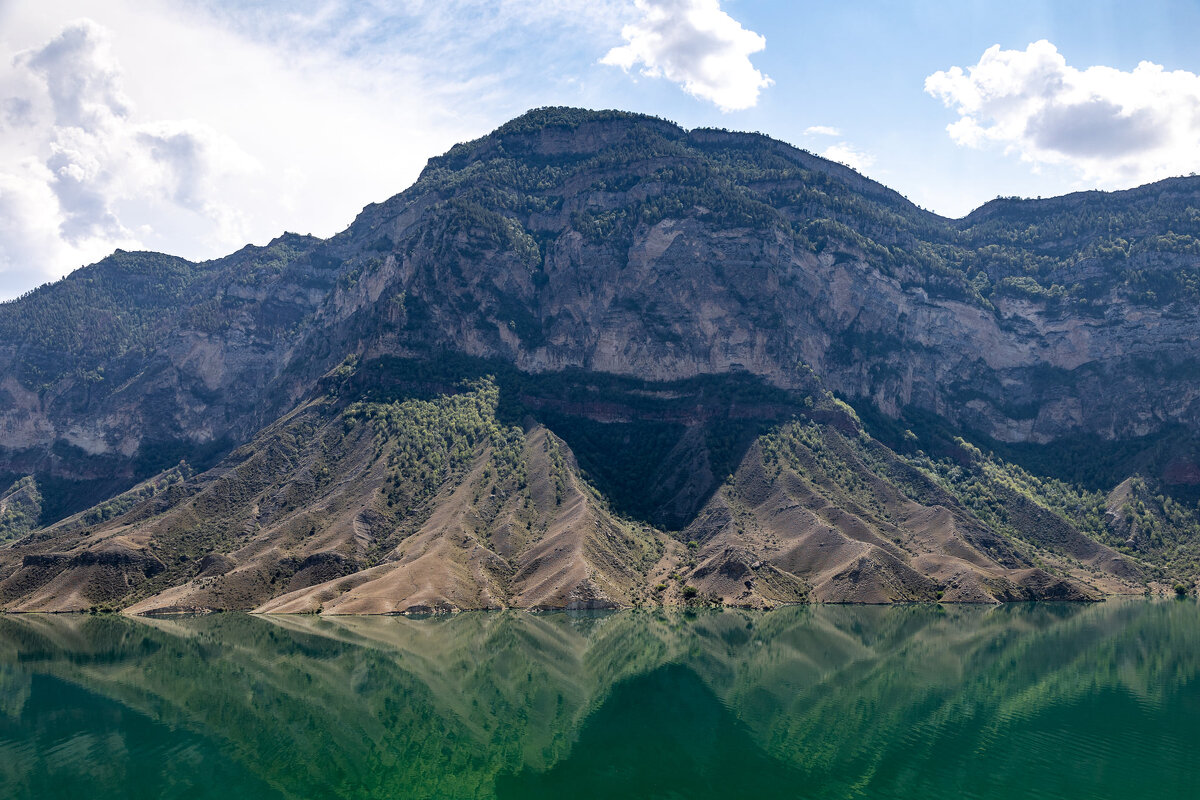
1030 702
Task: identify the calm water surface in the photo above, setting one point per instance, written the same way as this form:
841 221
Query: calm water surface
1028 701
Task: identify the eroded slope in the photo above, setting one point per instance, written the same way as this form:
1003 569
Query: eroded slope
373 498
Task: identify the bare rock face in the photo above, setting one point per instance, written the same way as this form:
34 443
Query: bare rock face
602 278
130 374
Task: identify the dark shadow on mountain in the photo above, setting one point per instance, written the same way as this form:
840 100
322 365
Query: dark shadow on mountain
1170 457
660 735
109 475
656 450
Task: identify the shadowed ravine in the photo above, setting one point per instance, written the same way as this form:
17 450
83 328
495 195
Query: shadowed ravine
1027 700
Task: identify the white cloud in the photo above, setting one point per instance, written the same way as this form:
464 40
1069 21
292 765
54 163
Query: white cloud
82 79
821 130
696 44
86 155
848 154
1111 126
32 250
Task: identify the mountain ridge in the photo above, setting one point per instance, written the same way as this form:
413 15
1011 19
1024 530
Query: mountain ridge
697 292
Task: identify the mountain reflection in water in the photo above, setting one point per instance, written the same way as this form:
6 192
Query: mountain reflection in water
1033 700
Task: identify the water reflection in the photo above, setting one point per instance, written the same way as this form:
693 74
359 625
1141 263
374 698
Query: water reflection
817 701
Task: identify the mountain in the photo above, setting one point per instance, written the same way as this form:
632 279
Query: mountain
594 359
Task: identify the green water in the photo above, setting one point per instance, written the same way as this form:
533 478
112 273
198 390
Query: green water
1028 701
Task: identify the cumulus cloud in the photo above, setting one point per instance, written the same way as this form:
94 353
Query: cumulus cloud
1113 127
81 75
821 130
85 157
697 45
29 235
848 154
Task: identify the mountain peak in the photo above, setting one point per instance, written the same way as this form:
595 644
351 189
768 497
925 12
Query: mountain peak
571 117
555 131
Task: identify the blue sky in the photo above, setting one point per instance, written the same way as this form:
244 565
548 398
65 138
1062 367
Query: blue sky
194 127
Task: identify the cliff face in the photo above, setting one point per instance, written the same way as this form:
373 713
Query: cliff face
685 298
124 367
665 254
608 244
624 244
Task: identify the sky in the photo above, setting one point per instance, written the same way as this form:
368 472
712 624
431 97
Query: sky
195 127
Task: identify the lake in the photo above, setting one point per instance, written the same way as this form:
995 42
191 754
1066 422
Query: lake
1019 701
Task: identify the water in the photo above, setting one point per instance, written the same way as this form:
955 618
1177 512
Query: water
1028 701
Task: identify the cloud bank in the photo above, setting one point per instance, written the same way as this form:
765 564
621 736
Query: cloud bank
1112 127
697 45
85 156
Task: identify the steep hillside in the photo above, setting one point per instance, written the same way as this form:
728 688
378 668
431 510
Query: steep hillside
651 303
387 493
810 503
366 507
123 368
